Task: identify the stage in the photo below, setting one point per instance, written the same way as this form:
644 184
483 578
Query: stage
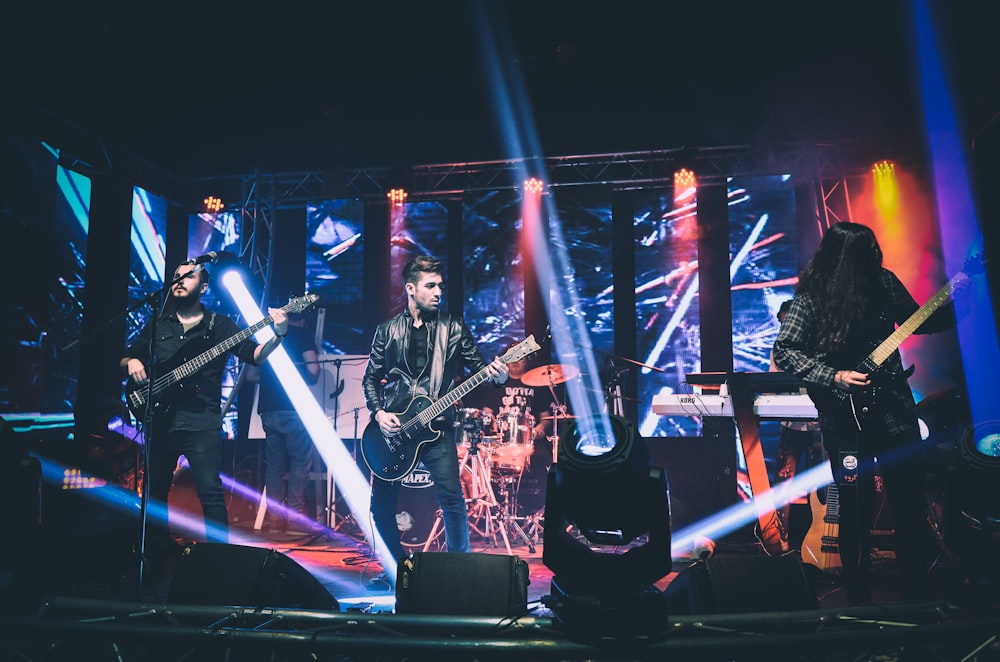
101 613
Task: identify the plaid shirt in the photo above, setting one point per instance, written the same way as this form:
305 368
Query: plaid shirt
796 350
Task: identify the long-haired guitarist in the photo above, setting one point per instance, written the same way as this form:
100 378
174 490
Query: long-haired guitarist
422 351
187 418
846 304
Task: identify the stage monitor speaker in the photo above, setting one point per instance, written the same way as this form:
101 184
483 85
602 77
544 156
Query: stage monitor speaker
220 574
741 584
452 583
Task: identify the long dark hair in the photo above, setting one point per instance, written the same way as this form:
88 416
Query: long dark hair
842 277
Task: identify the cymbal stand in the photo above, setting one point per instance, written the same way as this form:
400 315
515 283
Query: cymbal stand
558 411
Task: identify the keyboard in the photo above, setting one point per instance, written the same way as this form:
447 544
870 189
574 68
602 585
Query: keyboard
782 406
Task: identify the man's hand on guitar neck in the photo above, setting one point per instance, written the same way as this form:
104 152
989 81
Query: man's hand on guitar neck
279 319
848 380
498 371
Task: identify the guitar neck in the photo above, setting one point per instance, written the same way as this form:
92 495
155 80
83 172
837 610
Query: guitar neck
453 396
904 330
832 503
206 357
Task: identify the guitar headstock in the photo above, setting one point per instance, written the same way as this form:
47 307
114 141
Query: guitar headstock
299 304
521 350
973 265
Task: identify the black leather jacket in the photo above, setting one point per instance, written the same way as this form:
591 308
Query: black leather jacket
387 361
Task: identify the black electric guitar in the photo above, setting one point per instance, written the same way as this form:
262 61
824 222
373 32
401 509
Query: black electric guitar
392 457
172 375
821 544
872 365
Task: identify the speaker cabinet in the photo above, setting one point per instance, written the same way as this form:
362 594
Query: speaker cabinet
740 584
452 583
219 574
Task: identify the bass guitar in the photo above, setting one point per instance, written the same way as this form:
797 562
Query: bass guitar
392 457
173 374
821 544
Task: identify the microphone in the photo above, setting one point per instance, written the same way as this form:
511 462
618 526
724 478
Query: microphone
208 258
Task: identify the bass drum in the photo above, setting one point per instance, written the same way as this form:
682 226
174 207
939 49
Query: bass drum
418 515
417 511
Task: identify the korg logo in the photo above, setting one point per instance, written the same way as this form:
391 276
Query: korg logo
418 479
687 400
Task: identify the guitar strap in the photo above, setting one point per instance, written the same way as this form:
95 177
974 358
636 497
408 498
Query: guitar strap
442 331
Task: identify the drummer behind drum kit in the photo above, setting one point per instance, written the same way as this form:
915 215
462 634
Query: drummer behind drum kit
494 451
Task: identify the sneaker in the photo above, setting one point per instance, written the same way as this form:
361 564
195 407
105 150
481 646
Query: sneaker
379 582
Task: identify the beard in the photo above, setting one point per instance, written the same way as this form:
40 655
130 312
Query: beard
185 298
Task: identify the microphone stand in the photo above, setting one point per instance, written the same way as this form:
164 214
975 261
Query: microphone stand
158 300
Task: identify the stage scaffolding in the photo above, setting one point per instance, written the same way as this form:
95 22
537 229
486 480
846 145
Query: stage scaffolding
258 196
75 628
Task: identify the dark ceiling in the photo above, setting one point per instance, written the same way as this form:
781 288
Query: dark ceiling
294 86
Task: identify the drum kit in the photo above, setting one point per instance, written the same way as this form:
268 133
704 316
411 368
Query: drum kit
495 449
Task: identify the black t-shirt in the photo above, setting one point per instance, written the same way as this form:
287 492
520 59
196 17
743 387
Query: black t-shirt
300 339
197 401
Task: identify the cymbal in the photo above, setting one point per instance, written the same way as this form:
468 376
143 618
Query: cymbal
549 417
547 375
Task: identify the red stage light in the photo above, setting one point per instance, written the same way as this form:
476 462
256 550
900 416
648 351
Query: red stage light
397 197
534 185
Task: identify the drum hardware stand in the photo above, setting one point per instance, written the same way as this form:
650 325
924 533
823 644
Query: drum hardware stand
482 494
509 514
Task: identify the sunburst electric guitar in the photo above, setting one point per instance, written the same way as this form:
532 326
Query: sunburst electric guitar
392 457
176 374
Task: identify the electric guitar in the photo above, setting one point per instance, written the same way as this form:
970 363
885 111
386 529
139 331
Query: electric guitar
392 457
172 375
872 364
821 546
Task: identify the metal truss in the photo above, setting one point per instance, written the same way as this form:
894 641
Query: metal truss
617 169
75 628
260 196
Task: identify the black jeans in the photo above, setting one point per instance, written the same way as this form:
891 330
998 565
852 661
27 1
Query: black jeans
203 450
440 458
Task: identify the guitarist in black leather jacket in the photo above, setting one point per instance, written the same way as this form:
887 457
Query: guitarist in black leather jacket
422 351
190 421
846 304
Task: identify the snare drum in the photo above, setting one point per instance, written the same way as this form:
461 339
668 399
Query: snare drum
516 442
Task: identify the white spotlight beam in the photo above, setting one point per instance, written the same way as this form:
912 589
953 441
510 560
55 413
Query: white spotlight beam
353 485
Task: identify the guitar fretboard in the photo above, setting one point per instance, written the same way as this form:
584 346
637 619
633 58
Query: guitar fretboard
832 504
422 419
904 330
206 357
